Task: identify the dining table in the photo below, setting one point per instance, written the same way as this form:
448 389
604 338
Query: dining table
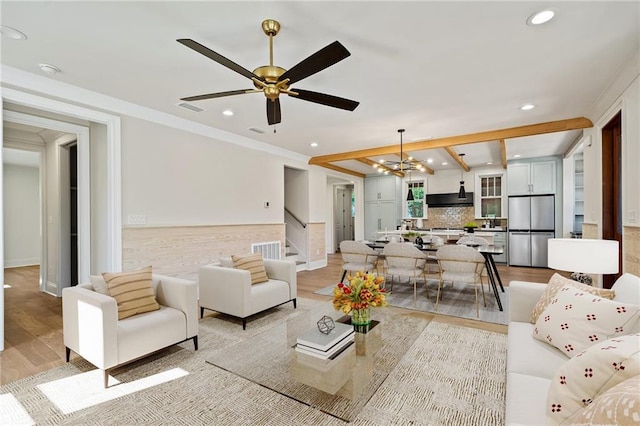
487 251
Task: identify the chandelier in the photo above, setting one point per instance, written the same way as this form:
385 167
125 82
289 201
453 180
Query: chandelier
406 163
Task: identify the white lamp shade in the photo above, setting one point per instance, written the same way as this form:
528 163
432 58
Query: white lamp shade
583 255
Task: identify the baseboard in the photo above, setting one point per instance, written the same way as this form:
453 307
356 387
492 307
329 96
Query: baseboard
17 263
317 264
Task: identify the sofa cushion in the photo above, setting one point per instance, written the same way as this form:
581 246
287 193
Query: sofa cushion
252 263
526 399
556 282
592 372
133 291
529 356
620 405
99 284
575 320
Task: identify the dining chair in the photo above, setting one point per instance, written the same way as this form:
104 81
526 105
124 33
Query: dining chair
473 240
357 257
461 264
405 260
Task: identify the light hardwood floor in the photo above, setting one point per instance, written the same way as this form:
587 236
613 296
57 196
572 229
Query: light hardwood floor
33 320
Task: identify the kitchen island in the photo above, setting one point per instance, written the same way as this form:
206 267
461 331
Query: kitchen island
448 235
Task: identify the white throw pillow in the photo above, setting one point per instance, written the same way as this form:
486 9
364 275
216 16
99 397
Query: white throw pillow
580 380
575 320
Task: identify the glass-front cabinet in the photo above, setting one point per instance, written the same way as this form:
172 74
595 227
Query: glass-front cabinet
490 196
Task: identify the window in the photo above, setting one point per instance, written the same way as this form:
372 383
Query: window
491 196
415 209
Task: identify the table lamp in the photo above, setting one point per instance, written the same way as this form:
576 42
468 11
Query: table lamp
583 255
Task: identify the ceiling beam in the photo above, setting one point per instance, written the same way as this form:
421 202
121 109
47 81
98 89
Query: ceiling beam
492 135
574 146
457 158
503 153
342 170
380 166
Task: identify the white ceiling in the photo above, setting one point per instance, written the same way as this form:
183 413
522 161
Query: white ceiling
436 69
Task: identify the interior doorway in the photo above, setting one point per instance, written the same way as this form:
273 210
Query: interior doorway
612 189
344 213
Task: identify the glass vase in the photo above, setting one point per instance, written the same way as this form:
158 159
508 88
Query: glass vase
361 319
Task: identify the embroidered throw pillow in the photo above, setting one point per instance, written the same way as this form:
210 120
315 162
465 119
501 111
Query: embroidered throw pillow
132 290
575 320
254 264
556 282
620 405
583 379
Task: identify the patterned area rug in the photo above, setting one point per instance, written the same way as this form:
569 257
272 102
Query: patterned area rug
456 300
450 375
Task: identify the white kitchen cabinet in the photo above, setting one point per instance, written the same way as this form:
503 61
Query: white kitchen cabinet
379 216
380 188
535 177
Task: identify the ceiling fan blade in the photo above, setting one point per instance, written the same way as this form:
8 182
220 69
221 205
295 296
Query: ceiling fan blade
217 57
218 95
324 99
273 111
323 58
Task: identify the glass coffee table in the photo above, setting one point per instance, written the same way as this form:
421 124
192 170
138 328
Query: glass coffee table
270 360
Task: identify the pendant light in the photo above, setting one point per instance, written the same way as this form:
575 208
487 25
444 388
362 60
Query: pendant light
410 192
462 193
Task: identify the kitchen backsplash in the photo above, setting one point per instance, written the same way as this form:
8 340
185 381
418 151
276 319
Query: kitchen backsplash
449 217
453 217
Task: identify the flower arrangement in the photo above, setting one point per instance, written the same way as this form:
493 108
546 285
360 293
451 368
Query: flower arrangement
360 292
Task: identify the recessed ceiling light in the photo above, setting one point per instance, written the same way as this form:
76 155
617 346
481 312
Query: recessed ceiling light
49 69
227 112
527 107
12 33
489 162
541 17
314 144
516 156
445 163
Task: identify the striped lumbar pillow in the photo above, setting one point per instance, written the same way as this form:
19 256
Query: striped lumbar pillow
254 264
132 290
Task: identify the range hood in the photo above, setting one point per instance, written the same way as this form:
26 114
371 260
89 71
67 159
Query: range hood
449 200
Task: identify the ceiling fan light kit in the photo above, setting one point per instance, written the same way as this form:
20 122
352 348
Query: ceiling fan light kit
273 80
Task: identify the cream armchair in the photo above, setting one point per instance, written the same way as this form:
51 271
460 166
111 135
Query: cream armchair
229 291
93 331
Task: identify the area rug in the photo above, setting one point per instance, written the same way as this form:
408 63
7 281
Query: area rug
450 375
457 299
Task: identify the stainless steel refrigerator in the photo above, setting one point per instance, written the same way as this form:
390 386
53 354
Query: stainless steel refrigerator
531 224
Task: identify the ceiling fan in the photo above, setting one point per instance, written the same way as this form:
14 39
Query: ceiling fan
273 80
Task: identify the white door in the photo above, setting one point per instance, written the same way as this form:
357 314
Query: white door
339 214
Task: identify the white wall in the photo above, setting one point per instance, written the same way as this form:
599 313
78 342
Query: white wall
447 181
22 241
296 197
174 177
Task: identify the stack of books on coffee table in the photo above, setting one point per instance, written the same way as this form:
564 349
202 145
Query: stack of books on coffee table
326 346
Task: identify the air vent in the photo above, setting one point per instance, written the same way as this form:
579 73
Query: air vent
190 107
255 129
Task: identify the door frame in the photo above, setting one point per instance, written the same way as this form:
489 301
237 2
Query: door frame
81 135
114 184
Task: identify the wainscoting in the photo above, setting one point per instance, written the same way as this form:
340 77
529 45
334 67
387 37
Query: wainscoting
317 242
181 250
631 244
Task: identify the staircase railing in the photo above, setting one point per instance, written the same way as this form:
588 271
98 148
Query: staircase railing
304 225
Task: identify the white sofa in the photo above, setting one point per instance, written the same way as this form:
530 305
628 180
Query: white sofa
229 291
531 363
93 331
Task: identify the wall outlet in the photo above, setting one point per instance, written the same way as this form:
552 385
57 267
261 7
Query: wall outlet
137 219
